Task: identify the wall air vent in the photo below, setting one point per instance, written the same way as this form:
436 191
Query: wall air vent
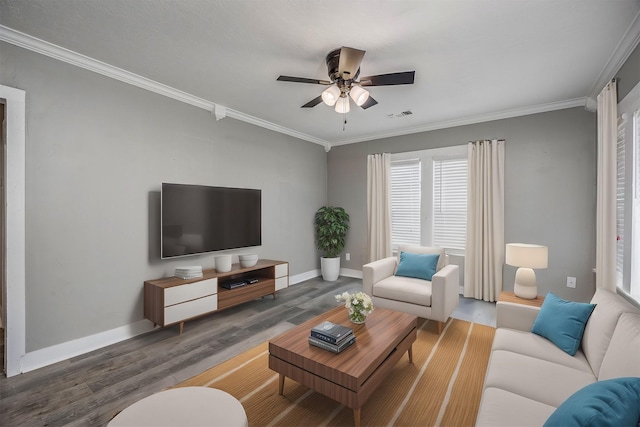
402 114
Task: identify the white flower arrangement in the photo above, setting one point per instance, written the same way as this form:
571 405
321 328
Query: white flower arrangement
358 304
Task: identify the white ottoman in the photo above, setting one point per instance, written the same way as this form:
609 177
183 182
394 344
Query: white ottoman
186 406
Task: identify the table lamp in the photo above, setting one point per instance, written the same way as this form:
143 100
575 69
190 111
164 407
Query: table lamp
527 257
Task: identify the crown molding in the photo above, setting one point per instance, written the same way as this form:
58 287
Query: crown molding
591 104
51 50
507 114
629 41
627 44
274 127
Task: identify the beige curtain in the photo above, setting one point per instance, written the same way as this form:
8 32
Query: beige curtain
379 205
606 189
484 252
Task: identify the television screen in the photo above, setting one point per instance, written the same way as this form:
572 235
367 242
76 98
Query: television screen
196 219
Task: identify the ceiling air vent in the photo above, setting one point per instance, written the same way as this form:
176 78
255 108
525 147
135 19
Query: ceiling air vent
402 114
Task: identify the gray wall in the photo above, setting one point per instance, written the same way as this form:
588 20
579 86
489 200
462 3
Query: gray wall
550 182
97 151
629 74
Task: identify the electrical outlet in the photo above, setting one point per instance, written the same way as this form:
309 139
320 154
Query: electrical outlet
347 256
571 282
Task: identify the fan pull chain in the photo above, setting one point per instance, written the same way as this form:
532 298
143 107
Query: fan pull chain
344 124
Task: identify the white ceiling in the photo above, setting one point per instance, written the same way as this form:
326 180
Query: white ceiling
474 60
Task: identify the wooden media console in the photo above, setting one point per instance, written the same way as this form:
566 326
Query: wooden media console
172 300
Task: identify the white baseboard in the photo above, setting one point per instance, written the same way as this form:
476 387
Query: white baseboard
59 352
66 350
356 274
299 278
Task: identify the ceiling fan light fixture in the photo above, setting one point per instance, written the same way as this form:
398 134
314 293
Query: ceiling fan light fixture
342 106
343 68
359 95
331 95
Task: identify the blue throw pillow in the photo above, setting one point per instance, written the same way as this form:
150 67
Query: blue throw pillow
562 322
420 266
614 403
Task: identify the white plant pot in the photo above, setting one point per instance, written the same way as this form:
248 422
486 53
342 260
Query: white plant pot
330 268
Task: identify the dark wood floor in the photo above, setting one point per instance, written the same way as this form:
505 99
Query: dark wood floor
92 388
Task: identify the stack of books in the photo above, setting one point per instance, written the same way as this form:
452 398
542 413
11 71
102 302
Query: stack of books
332 337
192 272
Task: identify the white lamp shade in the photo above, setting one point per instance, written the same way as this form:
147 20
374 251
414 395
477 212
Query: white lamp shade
526 255
330 95
342 106
359 95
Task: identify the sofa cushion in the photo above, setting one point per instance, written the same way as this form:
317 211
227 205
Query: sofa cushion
420 266
404 289
622 358
536 379
614 403
502 408
533 345
562 322
599 329
417 249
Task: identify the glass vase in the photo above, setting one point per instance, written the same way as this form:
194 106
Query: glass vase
357 317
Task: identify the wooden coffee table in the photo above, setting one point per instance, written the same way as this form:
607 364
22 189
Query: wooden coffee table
351 376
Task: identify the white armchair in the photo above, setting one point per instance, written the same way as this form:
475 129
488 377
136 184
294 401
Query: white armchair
435 299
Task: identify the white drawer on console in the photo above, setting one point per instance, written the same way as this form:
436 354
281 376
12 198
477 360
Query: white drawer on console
189 309
182 293
281 283
282 270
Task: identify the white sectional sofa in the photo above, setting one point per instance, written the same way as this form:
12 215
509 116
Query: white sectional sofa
433 299
528 377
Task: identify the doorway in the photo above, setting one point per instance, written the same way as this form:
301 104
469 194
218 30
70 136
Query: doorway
3 139
14 229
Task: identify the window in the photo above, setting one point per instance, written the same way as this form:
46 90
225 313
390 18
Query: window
634 273
450 204
628 195
620 184
405 202
429 198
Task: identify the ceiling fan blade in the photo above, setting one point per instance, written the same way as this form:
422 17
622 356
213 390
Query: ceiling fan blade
313 102
403 78
370 102
303 80
349 63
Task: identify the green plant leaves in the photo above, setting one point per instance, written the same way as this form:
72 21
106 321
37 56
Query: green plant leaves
331 225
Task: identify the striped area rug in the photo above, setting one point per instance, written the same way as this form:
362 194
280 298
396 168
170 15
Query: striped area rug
442 387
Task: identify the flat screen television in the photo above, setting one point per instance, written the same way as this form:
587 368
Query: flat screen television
197 219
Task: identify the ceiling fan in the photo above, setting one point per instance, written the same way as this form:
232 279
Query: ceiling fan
344 69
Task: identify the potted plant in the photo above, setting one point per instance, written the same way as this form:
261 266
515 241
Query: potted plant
331 225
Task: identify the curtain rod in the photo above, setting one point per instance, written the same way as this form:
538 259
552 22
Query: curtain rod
481 140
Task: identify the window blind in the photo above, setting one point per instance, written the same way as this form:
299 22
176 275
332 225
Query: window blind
450 204
620 184
405 202
628 195
636 150
632 286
